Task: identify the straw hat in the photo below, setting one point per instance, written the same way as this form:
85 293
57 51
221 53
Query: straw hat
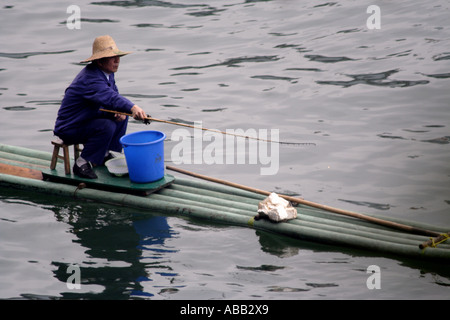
104 47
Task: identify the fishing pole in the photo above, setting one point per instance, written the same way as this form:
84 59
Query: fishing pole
149 119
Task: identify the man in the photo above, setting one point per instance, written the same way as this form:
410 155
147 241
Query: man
79 120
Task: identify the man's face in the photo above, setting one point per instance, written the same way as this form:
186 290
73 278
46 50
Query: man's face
109 65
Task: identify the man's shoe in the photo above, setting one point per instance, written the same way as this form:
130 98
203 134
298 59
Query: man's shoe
85 171
108 157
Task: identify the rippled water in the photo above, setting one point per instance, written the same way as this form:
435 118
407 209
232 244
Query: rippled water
374 102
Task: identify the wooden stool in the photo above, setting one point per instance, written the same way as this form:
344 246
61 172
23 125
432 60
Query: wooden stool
58 143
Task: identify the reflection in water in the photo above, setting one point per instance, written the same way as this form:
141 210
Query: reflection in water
24 55
439 75
153 233
123 250
233 62
18 108
375 79
378 206
324 59
269 77
147 3
127 255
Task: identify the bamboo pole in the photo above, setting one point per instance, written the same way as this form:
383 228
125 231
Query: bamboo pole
379 221
26 152
20 171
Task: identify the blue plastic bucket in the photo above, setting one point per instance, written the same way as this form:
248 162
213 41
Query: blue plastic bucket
144 153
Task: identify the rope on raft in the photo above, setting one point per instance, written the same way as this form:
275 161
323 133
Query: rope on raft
433 242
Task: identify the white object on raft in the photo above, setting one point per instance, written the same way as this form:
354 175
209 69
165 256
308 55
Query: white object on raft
276 208
117 166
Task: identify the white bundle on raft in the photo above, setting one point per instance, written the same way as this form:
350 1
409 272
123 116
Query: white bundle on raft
276 208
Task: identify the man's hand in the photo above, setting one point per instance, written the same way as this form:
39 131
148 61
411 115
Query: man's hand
138 113
120 117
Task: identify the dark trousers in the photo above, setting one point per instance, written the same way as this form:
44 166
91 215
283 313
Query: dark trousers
97 136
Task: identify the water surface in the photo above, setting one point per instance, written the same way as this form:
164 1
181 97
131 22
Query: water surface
374 103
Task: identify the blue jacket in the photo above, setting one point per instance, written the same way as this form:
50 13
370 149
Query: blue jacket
89 91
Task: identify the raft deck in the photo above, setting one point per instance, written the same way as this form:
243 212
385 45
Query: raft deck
107 181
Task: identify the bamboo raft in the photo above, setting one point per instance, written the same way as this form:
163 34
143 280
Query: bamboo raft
28 169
